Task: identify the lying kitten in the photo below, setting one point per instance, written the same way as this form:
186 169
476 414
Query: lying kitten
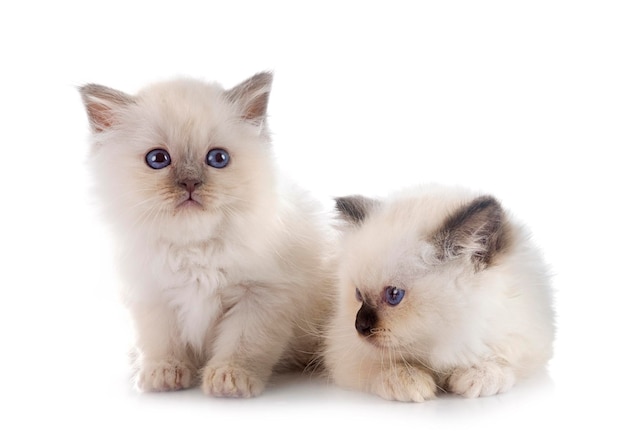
222 261
439 288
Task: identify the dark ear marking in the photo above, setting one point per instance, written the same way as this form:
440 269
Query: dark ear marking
101 104
354 209
477 230
252 95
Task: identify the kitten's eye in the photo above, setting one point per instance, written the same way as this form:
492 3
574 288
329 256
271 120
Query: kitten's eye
158 158
359 297
217 158
393 295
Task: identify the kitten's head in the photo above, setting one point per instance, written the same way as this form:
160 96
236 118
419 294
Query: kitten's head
180 155
408 262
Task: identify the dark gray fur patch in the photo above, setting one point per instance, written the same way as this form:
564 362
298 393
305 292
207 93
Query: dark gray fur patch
355 208
477 229
253 96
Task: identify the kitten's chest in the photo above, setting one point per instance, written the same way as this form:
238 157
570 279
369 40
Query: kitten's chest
200 266
190 279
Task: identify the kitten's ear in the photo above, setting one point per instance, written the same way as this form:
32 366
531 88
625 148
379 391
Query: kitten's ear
476 230
252 96
102 104
354 209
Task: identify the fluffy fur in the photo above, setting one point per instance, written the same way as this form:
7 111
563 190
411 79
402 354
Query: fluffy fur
224 268
477 309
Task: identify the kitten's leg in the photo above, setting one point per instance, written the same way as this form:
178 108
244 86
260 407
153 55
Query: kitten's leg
356 365
487 378
163 364
403 382
251 339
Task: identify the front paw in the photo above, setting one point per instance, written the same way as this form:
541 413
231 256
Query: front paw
484 379
230 381
406 384
164 375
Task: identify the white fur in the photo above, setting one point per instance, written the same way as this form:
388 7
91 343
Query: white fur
229 290
466 331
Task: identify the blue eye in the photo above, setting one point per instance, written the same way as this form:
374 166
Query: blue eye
217 158
393 295
158 158
359 297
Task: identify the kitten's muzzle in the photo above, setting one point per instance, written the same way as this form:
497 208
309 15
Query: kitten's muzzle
366 319
190 185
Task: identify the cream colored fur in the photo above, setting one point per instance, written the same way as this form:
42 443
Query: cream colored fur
227 288
468 324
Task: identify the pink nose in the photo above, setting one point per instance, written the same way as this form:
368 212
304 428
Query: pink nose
190 184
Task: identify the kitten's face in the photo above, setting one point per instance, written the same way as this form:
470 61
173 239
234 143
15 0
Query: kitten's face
395 297
180 153
407 266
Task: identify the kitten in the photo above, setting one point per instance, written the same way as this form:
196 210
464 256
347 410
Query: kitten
439 288
222 260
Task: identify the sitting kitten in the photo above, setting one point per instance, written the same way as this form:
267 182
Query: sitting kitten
439 288
223 262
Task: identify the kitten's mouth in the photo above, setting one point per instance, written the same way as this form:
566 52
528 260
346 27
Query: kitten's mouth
189 201
378 338
375 341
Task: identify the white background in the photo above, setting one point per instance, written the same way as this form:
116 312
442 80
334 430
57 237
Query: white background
525 100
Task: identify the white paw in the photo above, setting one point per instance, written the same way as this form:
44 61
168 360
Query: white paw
405 384
485 379
230 381
164 375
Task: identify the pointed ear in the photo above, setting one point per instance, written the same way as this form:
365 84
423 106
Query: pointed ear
354 209
101 104
476 230
252 96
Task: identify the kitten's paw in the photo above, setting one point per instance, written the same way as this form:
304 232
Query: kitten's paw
164 375
230 381
406 384
484 379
